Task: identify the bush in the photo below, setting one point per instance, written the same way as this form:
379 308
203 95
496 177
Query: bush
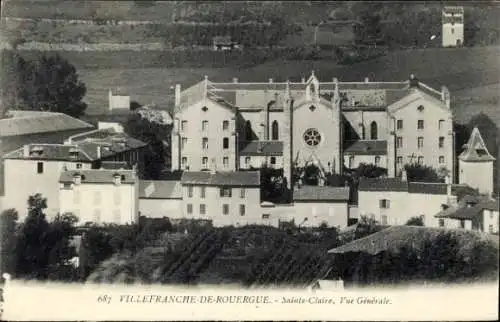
415 221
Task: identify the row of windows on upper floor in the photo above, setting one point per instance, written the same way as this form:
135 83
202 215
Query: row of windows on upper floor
225 162
223 192
204 143
225 127
97 198
420 124
225 209
418 159
420 142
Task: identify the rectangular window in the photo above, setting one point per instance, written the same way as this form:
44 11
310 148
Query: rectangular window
421 160
97 216
384 204
441 124
203 192
225 125
204 125
247 161
384 220
117 197
452 30
420 142
242 193
204 143
490 229
225 192
441 141
97 198
184 162
117 216
184 142
441 159
399 161
441 222
39 167
204 162
189 208
399 142
399 124
78 165
184 126
266 216
420 124
202 209
242 210
225 162
351 162
190 192
462 223
225 209
273 160
225 143
377 161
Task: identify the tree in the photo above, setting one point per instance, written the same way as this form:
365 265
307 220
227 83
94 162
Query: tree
13 68
368 28
62 229
421 173
52 84
32 249
8 226
415 221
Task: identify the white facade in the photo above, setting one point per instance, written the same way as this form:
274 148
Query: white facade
478 175
397 207
118 101
24 178
257 161
491 221
100 203
159 208
353 161
453 26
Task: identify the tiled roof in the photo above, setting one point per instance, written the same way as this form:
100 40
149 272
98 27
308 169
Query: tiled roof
395 237
475 149
396 184
229 178
316 193
31 122
50 152
149 189
383 184
88 144
468 208
259 95
269 148
115 165
99 176
367 147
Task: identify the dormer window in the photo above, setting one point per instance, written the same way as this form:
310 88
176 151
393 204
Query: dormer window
481 152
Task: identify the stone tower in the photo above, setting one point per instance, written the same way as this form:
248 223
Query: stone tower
476 164
453 26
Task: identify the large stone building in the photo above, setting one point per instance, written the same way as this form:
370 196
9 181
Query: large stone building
334 124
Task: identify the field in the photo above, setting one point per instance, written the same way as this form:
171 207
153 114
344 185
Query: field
471 74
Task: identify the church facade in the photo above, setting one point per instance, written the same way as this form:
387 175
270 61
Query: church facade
334 125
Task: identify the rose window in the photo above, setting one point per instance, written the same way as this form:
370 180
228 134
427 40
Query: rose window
312 137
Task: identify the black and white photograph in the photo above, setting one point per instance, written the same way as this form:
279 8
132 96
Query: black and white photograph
324 147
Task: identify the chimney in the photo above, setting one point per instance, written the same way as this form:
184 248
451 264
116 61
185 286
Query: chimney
77 178
303 80
445 96
26 150
404 175
110 99
177 95
117 178
335 80
235 80
367 80
270 80
447 180
99 152
413 81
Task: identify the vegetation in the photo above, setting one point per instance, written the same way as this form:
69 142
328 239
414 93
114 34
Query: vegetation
37 248
415 221
421 173
155 134
48 84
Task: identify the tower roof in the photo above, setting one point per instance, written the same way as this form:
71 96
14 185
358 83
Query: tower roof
475 149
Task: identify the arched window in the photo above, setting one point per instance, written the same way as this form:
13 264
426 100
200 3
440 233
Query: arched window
248 131
373 131
275 131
